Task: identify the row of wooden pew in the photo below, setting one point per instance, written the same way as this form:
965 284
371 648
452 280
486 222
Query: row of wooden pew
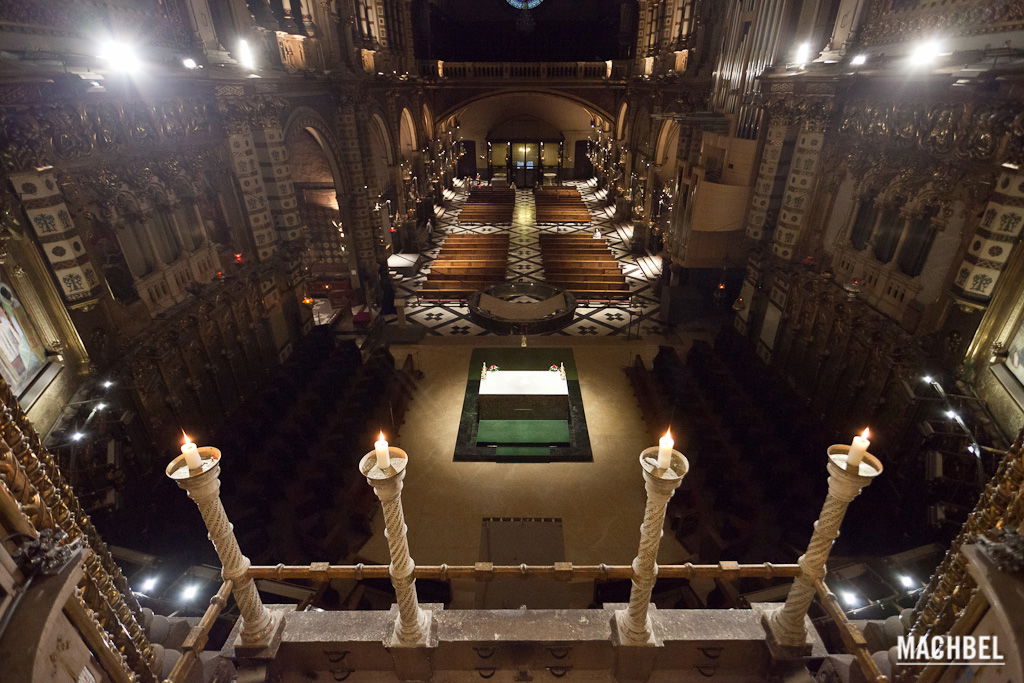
488 205
583 265
560 205
466 264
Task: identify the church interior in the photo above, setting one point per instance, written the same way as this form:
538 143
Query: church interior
447 340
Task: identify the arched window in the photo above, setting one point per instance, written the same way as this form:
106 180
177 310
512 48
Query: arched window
920 235
136 247
887 236
863 223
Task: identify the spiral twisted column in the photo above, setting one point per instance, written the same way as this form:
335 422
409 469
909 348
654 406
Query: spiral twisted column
785 626
634 623
412 627
259 625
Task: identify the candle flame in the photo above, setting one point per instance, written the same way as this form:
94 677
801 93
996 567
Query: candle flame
866 434
380 436
186 439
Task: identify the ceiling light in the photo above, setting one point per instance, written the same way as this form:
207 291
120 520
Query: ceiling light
107 384
951 414
189 63
77 436
245 55
189 592
859 60
925 52
120 56
101 406
906 581
149 584
849 598
927 379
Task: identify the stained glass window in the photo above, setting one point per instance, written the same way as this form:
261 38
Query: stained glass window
524 4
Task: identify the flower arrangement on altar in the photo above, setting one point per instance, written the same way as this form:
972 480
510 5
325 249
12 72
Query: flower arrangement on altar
485 369
559 368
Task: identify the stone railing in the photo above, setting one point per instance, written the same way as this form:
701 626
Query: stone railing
543 71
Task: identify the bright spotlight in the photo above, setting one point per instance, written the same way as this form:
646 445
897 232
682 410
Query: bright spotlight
859 60
107 384
120 56
925 52
101 406
927 379
906 581
77 436
951 414
189 592
245 55
149 584
803 53
849 598
189 63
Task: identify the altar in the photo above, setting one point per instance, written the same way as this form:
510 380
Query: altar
523 395
523 405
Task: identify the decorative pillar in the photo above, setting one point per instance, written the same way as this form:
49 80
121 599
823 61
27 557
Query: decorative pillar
634 623
240 117
796 202
261 631
58 236
993 241
412 628
277 178
768 184
787 633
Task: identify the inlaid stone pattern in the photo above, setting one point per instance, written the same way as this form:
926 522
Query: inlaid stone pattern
58 237
998 231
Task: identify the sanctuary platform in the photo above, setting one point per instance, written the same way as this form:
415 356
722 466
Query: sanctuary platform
523 405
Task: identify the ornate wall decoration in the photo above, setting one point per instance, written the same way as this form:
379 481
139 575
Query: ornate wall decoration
890 22
53 133
956 131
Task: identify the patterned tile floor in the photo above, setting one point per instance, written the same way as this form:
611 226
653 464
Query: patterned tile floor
524 262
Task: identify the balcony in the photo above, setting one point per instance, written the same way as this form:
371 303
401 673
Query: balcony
524 71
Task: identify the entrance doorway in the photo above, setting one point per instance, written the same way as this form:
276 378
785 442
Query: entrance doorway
524 163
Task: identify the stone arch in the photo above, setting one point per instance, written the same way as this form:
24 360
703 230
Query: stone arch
382 137
304 118
406 134
620 121
428 122
461 105
664 151
320 189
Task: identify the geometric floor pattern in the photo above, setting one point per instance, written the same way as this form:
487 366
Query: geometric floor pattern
636 316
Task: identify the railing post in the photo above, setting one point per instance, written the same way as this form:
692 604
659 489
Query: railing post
261 629
787 632
634 623
412 628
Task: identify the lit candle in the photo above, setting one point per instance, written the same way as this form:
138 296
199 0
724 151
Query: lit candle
191 453
380 447
858 448
665 450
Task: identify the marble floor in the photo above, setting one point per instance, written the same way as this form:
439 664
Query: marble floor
600 503
637 316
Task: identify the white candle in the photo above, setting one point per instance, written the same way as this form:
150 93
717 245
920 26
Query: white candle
380 447
191 453
665 450
858 448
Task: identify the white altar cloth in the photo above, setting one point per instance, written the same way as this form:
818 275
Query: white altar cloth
524 382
